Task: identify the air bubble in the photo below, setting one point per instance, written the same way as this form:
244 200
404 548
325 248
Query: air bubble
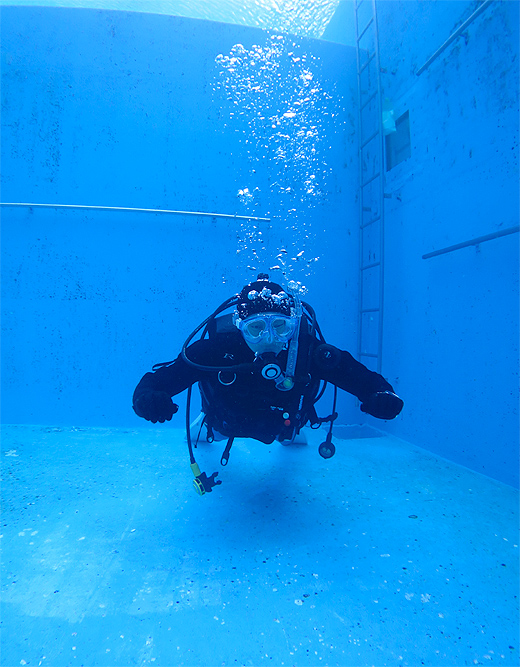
274 86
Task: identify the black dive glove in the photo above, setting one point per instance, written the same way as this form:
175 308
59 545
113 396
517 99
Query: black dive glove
155 406
383 405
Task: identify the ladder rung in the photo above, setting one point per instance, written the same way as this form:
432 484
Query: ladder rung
370 222
363 67
369 100
358 5
369 310
363 185
370 266
371 138
368 354
365 29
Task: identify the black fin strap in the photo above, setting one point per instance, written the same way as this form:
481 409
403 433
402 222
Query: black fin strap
225 456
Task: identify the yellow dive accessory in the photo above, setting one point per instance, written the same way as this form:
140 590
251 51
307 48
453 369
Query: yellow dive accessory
202 483
197 483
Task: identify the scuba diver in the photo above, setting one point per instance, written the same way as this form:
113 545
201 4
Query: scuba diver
260 371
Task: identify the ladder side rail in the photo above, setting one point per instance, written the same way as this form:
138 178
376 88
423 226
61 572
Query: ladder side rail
360 189
381 195
379 198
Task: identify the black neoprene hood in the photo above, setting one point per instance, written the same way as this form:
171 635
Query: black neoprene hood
264 296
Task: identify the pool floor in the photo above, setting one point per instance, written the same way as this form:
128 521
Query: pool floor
382 555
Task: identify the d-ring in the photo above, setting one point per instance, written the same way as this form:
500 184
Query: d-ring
222 381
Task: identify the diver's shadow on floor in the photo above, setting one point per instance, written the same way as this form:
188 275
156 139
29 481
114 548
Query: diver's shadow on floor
273 495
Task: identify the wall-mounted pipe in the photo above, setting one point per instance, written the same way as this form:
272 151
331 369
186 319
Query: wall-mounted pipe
454 35
140 210
479 239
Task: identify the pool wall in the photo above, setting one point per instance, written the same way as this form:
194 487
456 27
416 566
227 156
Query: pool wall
117 109
451 321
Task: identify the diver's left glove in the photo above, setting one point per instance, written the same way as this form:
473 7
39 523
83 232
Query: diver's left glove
383 405
155 406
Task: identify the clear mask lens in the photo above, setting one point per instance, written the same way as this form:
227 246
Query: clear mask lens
256 328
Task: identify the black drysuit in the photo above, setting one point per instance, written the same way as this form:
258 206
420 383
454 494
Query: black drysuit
246 404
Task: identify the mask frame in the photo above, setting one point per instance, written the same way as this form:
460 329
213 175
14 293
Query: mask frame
269 320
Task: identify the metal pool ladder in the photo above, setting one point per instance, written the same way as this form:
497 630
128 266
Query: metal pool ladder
371 187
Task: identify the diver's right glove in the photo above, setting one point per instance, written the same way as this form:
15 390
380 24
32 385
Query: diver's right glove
383 405
155 406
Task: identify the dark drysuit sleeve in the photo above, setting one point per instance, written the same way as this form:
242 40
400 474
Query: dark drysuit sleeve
176 377
377 396
352 376
340 368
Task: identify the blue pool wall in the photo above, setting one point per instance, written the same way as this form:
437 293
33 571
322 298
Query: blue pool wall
451 333
117 109
451 322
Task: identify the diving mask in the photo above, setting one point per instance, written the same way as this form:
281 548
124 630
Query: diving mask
267 326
